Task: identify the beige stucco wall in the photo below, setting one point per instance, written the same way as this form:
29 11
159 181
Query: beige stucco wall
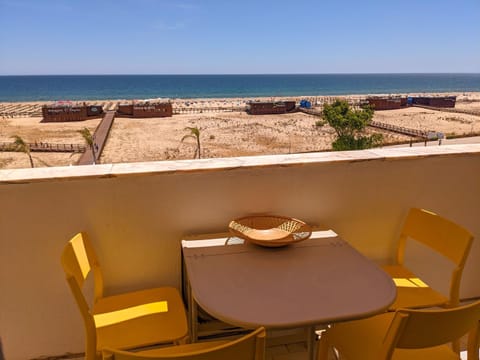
136 215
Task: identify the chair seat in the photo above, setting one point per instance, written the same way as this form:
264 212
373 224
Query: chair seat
442 352
162 320
413 294
362 339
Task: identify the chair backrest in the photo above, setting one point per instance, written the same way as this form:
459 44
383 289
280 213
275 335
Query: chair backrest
78 260
441 235
415 329
248 347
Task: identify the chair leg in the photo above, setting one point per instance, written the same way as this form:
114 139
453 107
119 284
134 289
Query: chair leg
91 352
456 347
182 341
473 344
323 347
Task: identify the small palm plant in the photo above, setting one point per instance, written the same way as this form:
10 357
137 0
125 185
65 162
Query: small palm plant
89 140
195 134
22 146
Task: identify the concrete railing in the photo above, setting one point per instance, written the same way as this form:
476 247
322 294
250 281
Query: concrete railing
136 215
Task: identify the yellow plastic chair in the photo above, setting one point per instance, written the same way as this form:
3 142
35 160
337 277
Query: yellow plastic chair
248 347
405 334
442 236
122 321
474 343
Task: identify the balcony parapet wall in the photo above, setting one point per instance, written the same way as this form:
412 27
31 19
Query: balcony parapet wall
49 174
137 213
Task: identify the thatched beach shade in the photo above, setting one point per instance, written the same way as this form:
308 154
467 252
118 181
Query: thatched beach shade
63 111
435 101
263 108
387 102
145 108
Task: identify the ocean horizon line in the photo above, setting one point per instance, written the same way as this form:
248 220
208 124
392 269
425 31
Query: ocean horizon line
189 86
250 74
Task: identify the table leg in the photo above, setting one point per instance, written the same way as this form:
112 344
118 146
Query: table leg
194 320
311 337
192 314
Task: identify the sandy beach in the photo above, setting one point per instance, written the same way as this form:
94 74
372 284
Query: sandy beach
225 130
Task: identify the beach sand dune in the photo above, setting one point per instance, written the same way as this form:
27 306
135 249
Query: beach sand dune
424 119
32 130
222 134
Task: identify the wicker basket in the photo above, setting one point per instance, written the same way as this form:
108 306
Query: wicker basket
270 231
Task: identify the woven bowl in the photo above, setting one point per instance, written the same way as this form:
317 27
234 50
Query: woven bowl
270 231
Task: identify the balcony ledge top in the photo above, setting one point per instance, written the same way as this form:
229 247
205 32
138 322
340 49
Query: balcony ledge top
22 176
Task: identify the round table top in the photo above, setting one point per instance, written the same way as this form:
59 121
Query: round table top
317 281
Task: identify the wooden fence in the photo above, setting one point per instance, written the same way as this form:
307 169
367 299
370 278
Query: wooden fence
187 110
45 147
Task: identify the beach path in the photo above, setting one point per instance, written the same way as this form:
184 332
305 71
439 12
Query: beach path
99 139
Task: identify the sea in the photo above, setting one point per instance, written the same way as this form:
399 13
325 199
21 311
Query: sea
104 87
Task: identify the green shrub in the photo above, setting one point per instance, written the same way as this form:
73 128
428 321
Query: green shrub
349 126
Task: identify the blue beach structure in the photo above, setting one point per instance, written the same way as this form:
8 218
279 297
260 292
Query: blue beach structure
305 104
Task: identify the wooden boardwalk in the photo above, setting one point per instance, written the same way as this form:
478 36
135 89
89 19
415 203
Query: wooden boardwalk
379 125
450 110
100 138
314 112
400 129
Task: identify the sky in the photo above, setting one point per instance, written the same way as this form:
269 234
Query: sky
44 37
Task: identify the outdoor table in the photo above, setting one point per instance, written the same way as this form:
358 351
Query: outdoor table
321 280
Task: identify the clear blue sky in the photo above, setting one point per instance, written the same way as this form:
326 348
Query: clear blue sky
238 37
